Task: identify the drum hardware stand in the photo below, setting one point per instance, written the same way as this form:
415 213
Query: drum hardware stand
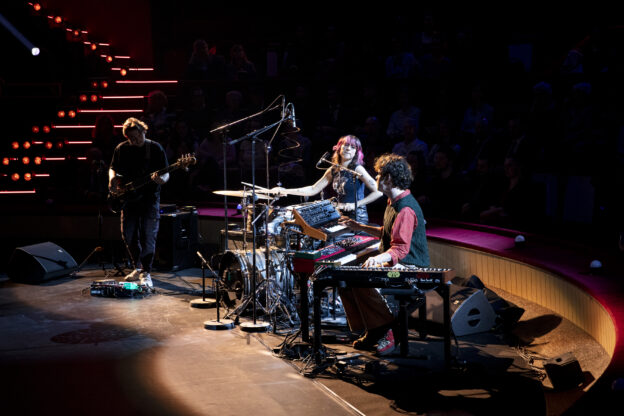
217 324
204 303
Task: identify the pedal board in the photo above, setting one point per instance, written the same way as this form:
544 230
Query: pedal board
110 288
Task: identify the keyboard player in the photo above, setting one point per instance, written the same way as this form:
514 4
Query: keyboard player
402 242
347 186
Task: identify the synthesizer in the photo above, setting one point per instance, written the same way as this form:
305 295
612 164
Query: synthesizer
382 277
318 219
340 253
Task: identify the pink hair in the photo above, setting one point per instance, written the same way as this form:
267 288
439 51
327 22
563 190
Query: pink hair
352 140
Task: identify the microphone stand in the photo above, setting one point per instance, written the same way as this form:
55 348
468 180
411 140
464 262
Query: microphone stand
225 143
255 326
218 324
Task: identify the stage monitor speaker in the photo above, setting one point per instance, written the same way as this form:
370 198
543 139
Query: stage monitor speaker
471 313
177 241
564 371
40 262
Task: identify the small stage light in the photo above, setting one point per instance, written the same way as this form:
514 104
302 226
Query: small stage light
48 145
59 145
5 161
93 46
61 114
83 98
109 58
26 145
46 129
58 20
37 160
27 177
94 84
104 84
123 72
94 98
15 177
26 160
15 145
35 51
35 129
71 114
36 7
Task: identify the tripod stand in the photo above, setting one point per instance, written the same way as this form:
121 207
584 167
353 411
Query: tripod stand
99 249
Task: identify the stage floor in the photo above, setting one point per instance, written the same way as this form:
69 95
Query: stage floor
64 351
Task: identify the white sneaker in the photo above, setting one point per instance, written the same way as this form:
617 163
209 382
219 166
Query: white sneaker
146 280
133 276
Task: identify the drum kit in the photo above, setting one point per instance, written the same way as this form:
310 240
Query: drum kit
274 288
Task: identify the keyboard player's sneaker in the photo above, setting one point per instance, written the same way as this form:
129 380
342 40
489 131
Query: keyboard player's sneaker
386 345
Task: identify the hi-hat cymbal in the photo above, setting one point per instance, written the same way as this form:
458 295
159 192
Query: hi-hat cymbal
242 194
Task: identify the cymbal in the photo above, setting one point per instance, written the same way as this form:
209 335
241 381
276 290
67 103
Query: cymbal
242 194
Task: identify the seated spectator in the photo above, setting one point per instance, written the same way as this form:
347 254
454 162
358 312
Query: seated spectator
477 110
405 111
481 188
410 142
157 117
197 113
441 197
400 63
521 204
239 67
205 63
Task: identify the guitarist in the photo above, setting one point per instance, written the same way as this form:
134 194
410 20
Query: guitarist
133 159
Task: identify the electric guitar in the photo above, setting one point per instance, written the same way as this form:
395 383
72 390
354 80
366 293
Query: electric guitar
122 193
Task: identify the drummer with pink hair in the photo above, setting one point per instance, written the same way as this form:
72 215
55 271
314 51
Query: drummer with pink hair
348 186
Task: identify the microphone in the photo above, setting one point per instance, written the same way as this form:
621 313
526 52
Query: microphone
322 159
283 107
292 116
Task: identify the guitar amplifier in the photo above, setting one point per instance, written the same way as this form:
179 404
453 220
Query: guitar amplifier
177 241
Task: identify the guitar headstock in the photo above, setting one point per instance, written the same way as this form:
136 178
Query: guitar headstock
186 160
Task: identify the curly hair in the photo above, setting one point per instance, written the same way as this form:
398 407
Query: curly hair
134 124
396 167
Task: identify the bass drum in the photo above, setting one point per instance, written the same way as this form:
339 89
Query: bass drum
236 273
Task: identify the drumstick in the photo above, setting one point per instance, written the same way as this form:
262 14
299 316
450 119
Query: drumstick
257 186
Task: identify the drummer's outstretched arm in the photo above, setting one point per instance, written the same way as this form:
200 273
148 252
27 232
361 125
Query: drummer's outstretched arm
306 190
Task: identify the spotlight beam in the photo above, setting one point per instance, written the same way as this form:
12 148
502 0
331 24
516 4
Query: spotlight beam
32 48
